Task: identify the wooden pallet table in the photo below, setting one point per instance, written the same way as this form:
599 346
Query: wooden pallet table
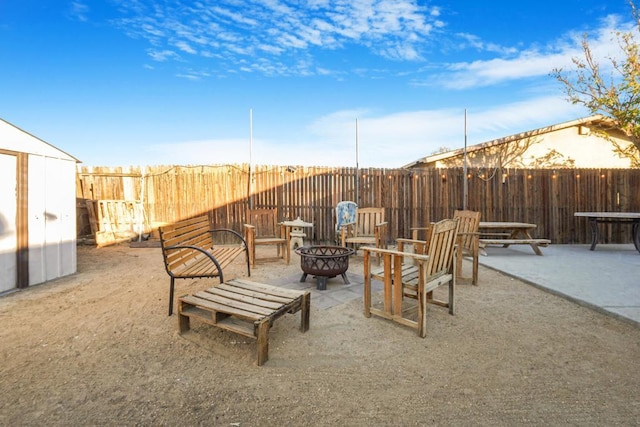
246 308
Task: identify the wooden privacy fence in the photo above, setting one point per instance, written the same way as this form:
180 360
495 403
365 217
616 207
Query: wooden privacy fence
411 197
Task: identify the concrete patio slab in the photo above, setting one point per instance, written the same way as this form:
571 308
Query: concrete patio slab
337 291
607 279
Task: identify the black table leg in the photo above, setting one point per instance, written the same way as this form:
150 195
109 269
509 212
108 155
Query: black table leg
594 233
635 234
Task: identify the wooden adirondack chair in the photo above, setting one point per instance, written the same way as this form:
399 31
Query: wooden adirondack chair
370 228
263 229
416 280
469 236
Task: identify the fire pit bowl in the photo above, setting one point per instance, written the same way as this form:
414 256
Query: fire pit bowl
324 262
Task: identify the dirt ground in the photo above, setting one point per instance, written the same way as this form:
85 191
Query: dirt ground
97 348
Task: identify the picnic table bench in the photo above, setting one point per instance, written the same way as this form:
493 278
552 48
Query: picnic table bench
246 308
189 251
510 233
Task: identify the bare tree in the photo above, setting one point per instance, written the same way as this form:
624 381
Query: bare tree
617 96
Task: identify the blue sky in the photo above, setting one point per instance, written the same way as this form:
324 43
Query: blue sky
142 82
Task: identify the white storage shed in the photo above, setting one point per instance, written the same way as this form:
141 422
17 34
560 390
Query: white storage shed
37 210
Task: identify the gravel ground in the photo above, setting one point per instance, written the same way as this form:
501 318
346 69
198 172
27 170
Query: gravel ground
97 348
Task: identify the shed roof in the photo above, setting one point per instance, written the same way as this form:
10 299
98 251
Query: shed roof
15 139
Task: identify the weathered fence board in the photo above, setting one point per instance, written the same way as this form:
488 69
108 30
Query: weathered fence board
412 198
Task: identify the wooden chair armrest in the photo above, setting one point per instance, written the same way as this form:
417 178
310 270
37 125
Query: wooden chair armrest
285 232
344 232
406 240
347 228
380 231
249 234
418 245
415 230
347 224
394 252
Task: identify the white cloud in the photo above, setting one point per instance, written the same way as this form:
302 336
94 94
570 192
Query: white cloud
162 55
533 62
280 29
185 47
79 11
384 141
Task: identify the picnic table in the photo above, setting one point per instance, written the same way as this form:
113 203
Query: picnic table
510 233
595 218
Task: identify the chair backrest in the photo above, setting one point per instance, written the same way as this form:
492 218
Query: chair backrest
345 213
265 221
442 241
469 223
366 221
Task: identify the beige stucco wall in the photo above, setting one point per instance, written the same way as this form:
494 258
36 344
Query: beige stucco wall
586 149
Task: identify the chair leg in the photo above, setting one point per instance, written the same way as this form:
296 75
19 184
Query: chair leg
248 264
171 288
422 314
459 262
475 269
452 295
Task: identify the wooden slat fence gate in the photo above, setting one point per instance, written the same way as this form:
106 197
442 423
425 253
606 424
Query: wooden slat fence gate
411 197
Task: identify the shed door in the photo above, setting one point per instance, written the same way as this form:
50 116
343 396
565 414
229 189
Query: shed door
8 212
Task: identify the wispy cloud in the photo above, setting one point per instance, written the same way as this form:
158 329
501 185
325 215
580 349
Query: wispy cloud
511 64
79 11
384 140
270 35
275 37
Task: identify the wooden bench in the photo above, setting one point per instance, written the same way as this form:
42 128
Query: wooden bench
189 251
246 308
534 243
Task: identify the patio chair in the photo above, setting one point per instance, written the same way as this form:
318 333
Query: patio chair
417 280
345 214
469 241
369 228
469 237
263 229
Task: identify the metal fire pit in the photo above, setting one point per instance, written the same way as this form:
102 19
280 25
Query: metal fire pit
324 262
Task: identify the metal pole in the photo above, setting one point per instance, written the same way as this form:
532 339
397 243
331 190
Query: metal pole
250 158
357 168
464 167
